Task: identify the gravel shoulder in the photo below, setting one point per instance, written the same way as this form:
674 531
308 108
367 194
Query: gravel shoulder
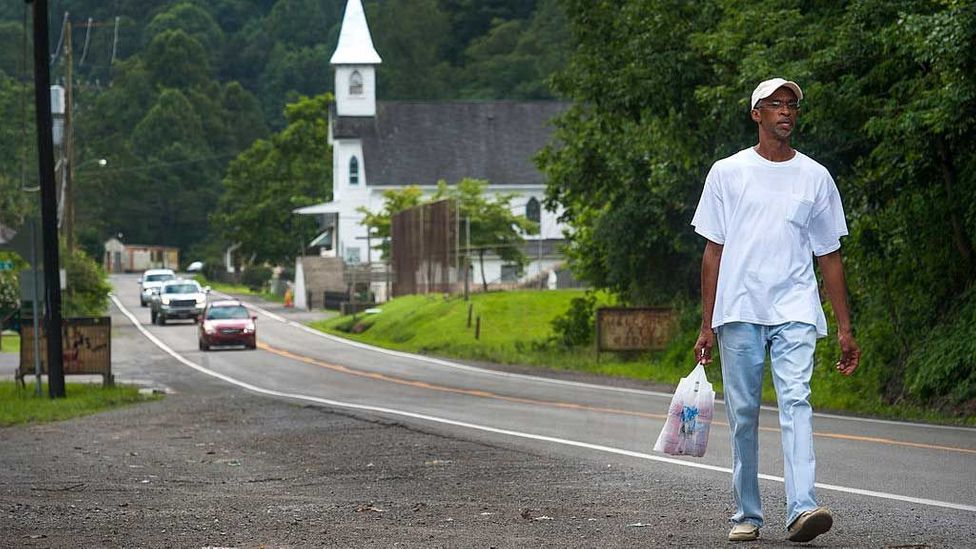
226 468
212 465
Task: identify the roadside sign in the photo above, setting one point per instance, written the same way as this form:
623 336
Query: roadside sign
634 328
6 265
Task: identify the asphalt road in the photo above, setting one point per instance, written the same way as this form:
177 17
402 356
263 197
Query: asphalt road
889 483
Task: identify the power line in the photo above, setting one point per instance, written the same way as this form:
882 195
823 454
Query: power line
115 40
84 50
57 49
150 166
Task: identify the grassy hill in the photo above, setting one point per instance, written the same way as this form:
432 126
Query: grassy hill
511 322
516 329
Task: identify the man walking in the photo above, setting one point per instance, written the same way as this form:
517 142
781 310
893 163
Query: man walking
765 212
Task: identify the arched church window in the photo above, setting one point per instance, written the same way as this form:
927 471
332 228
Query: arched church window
356 83
532 210
353 171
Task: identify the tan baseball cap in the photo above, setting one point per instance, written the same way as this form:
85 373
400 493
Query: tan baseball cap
767 87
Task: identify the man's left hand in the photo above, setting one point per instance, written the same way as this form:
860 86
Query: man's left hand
850 353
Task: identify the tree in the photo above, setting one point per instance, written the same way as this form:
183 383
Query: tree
292 168
412 36
515 57
177 60
628 159
191 19
661 90
380 223
18 164
494 226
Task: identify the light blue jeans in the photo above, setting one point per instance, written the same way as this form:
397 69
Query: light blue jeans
743 349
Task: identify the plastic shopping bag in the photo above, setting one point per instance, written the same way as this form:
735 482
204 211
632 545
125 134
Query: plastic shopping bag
685 432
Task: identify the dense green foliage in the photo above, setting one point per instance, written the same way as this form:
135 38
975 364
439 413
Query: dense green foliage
17 151
661 90
271 178
194 83
87 290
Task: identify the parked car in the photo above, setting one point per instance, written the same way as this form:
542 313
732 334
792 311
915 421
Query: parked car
178 298
227 323
151 280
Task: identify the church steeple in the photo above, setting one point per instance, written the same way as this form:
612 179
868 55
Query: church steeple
355 42
355 61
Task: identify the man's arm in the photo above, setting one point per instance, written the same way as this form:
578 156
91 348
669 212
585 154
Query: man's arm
711 260
832 270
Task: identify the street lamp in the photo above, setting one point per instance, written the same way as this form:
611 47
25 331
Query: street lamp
67 195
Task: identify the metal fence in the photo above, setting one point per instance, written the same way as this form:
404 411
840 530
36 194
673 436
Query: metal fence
426 249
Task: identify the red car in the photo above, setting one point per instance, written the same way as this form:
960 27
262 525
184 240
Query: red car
227 323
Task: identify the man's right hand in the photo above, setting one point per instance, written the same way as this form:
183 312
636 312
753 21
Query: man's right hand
703 347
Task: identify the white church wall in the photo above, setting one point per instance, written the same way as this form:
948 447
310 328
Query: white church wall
361 104
343 150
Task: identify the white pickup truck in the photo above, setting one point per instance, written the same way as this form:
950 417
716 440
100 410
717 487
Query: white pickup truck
152 280
178 298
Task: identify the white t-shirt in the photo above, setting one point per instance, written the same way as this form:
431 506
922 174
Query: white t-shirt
771 218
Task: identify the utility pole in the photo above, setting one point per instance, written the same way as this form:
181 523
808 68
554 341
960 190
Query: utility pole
49 210
69 146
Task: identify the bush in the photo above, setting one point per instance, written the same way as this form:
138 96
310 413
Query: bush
942 371
9 293
88 288
256 277
574 328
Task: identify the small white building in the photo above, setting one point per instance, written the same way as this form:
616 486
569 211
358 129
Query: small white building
379 145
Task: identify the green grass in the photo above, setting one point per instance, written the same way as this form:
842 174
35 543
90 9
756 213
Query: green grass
515 327
436 324
10 344
239 289
21 404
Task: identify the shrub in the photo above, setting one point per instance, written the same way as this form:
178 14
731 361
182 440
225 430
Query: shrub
256 277
87 291
574 328
942 370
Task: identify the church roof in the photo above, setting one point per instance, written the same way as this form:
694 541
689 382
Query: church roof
355 42
419 143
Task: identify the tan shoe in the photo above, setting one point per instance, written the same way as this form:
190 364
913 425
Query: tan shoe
744 531
810 525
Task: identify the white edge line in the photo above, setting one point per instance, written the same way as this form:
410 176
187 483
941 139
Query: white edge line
518 434
510 375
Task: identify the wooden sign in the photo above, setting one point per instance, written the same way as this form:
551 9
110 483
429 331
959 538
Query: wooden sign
87 344
635 328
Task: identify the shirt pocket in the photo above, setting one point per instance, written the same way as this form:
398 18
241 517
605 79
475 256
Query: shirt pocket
799 210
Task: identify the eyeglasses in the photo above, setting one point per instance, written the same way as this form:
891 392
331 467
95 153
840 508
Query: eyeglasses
776 104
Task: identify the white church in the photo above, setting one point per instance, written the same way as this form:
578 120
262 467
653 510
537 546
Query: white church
382 145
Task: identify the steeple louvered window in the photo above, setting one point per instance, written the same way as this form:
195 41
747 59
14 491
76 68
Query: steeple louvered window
355 83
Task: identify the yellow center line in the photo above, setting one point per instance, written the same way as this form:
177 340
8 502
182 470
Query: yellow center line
571 405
